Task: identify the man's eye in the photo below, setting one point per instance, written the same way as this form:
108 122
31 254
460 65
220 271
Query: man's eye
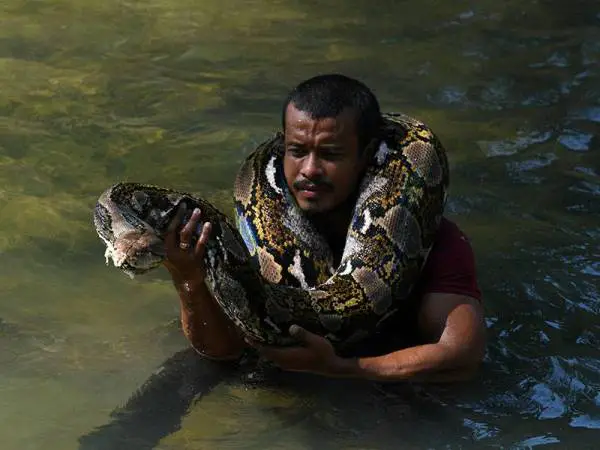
296 151
331 154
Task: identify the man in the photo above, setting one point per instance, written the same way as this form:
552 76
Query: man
331 125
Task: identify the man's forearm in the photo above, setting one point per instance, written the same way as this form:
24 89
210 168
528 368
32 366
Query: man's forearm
204 324
431 362
454 356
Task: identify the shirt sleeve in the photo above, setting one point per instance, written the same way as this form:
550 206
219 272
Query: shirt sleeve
451 267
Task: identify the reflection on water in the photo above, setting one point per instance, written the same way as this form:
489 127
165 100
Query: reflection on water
157 408
176 94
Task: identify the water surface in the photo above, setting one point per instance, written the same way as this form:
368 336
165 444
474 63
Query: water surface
177 93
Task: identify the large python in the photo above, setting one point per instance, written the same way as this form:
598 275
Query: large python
277 270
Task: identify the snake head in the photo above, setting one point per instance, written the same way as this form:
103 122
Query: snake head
137 252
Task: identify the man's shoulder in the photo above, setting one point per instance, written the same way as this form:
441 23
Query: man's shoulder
450 266
450 236
451 244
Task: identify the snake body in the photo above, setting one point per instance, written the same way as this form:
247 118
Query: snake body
274 268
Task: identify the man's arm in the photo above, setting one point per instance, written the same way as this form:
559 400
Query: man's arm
204 324
454 332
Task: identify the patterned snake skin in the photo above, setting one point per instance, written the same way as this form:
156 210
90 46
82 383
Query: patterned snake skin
277 270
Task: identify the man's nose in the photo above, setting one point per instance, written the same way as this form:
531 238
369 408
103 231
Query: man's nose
312 167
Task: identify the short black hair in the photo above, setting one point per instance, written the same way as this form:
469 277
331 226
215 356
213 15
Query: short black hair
328 95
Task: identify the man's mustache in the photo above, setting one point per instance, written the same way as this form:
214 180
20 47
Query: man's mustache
305 184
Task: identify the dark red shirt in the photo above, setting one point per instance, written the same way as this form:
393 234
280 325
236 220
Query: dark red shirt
450 269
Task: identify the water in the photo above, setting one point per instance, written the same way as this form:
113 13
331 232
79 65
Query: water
176 93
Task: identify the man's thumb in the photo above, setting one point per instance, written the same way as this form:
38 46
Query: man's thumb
299 333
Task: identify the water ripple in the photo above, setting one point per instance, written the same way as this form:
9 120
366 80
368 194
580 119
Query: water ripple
555 60
567 86
585 421
507 147
538 440
586 187
592 269
542 98
518 170
480 430
592 114
450 95
576 140
551 405
585 170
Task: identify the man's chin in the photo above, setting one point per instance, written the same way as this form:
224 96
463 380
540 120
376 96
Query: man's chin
312 208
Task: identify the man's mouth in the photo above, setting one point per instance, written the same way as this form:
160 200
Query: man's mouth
312 187
310 195
312 191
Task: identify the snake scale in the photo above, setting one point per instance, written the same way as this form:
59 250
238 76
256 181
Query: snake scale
273 269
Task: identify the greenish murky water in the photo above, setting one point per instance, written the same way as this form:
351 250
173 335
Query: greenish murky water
176 93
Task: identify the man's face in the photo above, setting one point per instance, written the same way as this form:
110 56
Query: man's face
322 165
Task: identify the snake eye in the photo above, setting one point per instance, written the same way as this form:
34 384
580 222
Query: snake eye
139 199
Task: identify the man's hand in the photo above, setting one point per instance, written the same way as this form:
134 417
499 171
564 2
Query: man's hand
184 261
455 331
203 322
315 354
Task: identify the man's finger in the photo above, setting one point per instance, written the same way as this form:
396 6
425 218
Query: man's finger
280 355
188 230
175 222
304 336
251 342
297 332
203 239
264 350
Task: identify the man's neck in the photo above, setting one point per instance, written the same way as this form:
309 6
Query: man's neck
333 225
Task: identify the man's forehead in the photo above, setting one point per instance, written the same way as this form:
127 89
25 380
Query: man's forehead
296 118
